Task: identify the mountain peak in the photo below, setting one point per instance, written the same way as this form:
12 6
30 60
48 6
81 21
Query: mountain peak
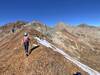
86 25
61 26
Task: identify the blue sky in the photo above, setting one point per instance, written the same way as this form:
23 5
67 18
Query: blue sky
51 11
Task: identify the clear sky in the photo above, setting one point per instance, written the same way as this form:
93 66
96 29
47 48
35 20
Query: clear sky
51 11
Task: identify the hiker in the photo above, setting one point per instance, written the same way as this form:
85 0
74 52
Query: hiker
13 29
77 73
25 42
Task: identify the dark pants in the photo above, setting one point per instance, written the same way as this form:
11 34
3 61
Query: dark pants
26 46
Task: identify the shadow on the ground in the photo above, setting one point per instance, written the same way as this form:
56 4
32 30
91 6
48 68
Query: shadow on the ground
33 49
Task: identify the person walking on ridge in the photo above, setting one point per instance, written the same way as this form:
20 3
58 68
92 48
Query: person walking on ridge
25 42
